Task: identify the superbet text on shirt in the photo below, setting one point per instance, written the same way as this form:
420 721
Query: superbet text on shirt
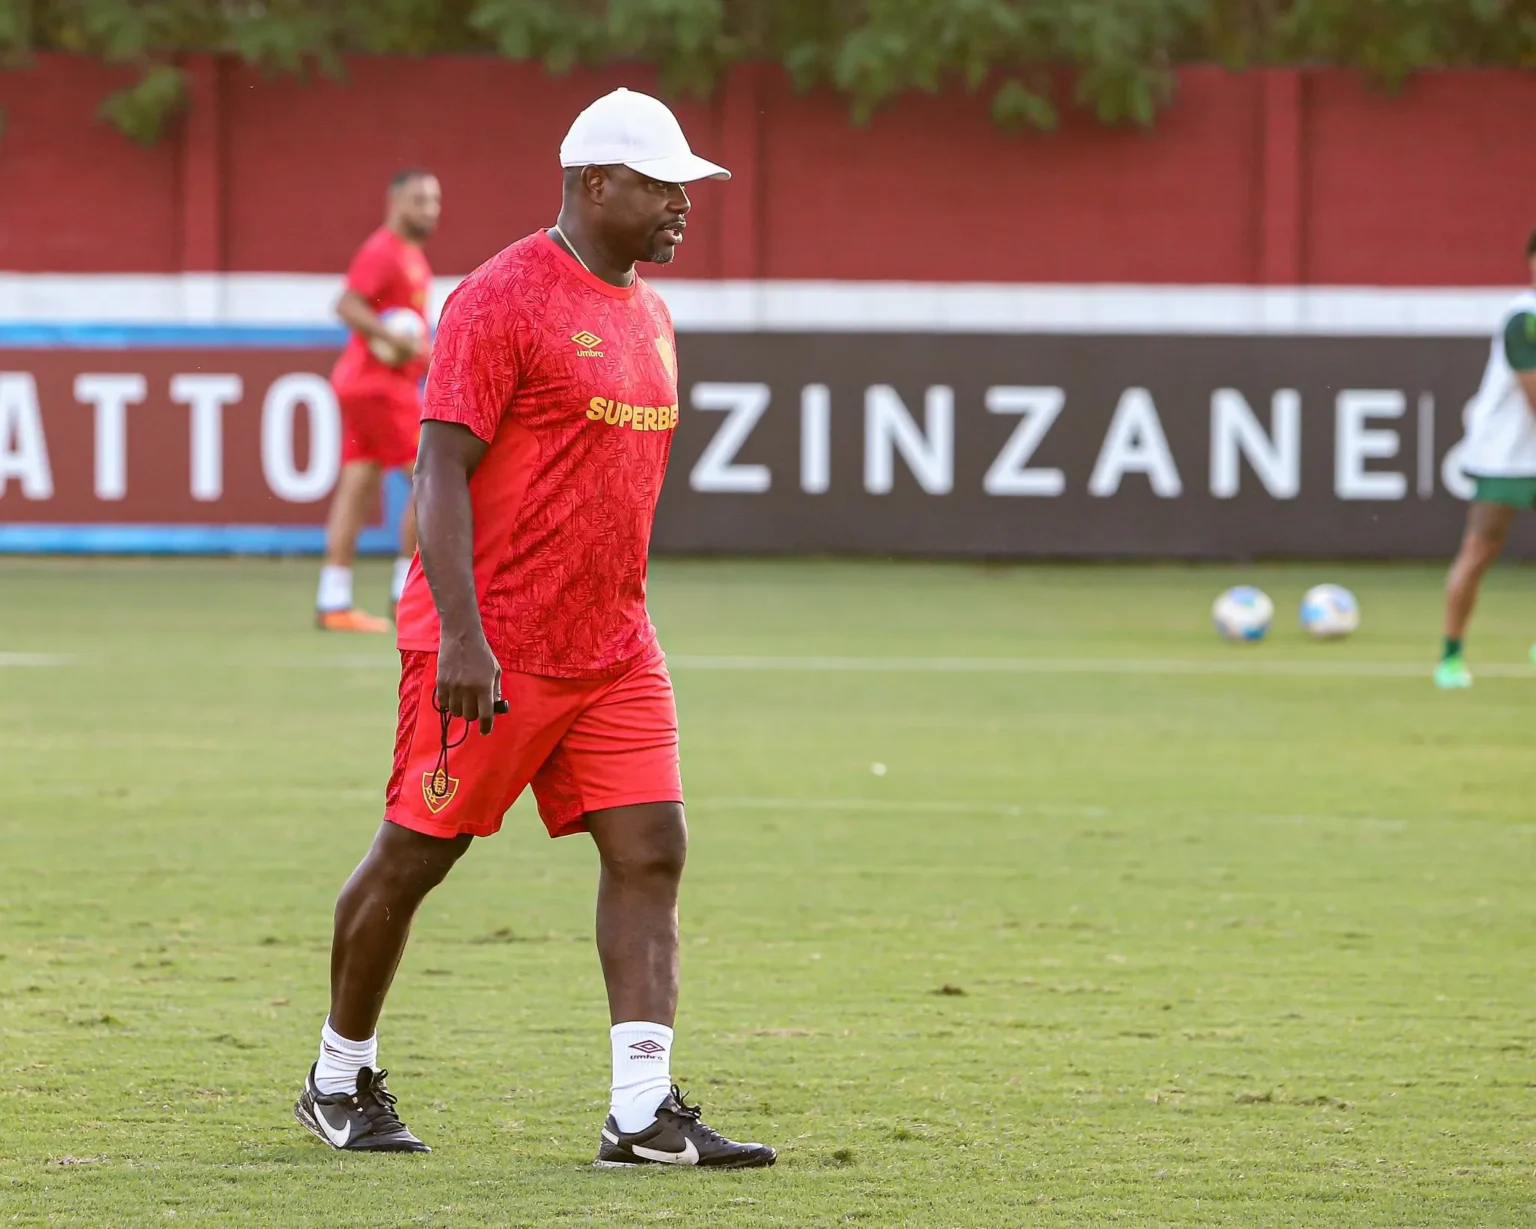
572 382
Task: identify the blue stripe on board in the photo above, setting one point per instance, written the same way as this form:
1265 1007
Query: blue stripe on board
159 540
62 335
179 540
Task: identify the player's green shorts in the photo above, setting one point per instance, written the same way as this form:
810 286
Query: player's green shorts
1512 492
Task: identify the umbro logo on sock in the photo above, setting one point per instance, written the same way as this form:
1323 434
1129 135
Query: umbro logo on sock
648 1047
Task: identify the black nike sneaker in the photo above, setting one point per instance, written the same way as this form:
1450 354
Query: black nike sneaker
366 1122
678 1137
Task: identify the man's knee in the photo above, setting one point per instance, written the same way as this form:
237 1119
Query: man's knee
643 842
407 863
1481 547
1488 527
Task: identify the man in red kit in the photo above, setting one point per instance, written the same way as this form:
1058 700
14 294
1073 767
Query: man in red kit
384 304
549 416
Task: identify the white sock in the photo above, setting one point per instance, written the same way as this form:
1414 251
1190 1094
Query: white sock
341 1058
335 591
642 1072
402 570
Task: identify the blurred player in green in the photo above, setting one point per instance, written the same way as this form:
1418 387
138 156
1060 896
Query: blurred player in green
1500 456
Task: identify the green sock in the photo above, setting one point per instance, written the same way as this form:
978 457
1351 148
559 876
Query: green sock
1452 648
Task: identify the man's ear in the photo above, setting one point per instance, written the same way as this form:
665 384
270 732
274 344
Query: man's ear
594 181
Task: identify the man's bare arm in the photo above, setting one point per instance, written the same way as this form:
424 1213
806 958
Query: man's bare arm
468 675
1528 386
355 312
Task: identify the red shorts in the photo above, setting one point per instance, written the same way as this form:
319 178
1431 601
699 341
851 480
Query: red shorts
584 745
382 427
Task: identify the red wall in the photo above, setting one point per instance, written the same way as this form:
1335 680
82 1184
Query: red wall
1275 177
75 196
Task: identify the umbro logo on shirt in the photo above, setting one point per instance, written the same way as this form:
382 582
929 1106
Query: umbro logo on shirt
587 343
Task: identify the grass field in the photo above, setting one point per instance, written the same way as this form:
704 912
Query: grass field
1135 928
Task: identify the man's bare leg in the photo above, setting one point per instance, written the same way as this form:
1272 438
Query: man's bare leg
353 502
1487 530
373 920
643 849
345 1102
407 549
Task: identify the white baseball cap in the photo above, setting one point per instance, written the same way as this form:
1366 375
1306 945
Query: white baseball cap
635 130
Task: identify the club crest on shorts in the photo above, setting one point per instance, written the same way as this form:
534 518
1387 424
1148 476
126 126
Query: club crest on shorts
438 789
668 356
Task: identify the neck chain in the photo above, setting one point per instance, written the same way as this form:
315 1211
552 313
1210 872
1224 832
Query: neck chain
570 247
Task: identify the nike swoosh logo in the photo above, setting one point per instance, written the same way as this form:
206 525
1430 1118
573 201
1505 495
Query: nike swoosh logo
338 1138
688 1156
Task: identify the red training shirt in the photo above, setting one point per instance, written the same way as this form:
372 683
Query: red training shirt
573 383
387 272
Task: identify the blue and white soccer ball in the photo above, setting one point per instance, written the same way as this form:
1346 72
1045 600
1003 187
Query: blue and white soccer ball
1329 612
1243 613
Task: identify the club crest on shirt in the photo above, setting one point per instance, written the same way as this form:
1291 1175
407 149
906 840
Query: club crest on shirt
668 356
438 789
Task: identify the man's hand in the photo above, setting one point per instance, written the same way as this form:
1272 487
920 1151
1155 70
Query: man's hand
358 315
408 349
468 678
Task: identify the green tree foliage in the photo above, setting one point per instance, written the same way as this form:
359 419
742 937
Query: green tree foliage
1033 57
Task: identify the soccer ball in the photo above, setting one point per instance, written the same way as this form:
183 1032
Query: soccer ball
1329 612
1243 613
399 322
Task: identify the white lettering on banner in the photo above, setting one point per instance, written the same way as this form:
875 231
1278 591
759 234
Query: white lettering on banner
1135 444
23 448
206 396
1355 443
715 471
1275 456
1452 476
283 399
1426 445
1039 408
815 439
111 394
888 429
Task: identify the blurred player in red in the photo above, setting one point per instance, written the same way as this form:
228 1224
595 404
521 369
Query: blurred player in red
527 654
380 404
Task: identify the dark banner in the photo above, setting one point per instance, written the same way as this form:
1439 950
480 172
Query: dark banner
1216 447
167 437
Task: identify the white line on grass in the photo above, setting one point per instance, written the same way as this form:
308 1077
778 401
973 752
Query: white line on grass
876 806
1235 665
1240 664
901 805
34 659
